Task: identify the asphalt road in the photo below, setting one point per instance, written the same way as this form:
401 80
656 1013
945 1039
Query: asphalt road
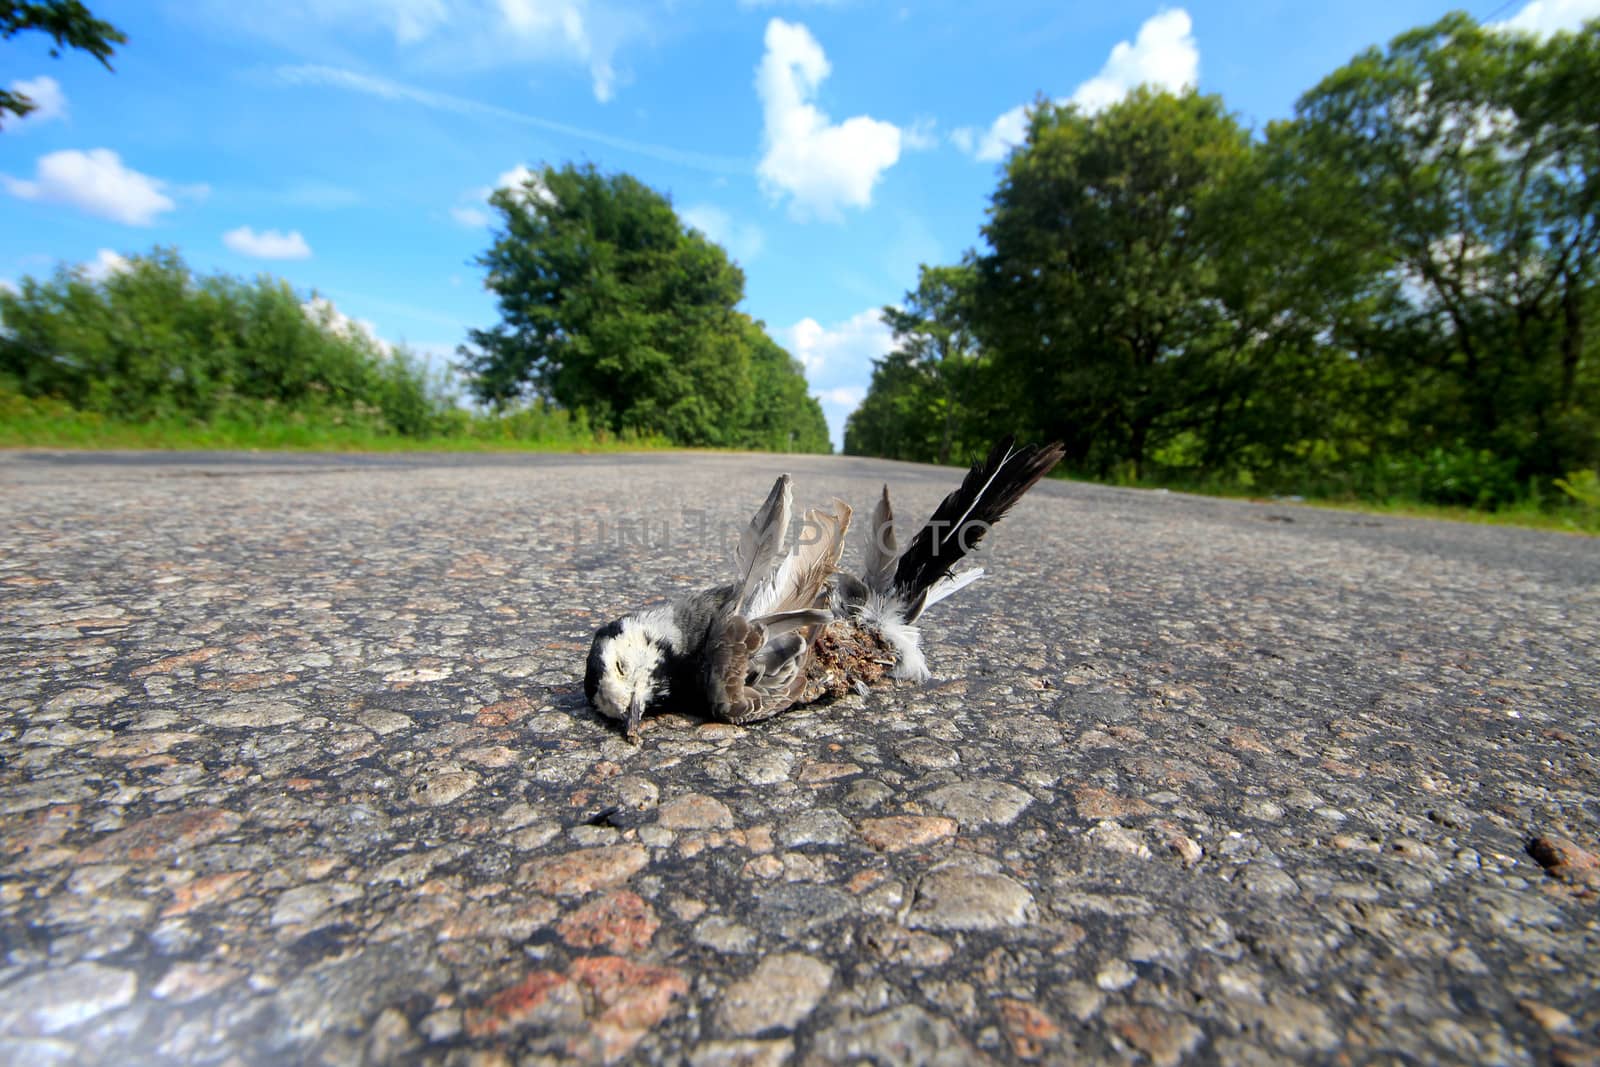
295 767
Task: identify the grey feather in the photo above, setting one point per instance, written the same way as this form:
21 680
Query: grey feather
783 622
878 568
762 541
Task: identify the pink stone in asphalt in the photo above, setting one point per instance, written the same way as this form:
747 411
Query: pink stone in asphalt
620 921
162 838
897 833
579 873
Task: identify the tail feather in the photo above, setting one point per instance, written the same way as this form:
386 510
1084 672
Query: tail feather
962 519
953 582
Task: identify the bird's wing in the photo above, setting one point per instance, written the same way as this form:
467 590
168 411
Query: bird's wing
729 646
761 543
755 658
750 674
800 582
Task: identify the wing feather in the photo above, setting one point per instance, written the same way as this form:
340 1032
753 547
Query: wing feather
878 569
762 541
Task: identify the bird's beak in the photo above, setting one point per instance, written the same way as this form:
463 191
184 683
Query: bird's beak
635 713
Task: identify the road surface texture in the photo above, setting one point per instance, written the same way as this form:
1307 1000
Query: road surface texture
297 769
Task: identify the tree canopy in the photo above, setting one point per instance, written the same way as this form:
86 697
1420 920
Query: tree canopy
1393 291
611 305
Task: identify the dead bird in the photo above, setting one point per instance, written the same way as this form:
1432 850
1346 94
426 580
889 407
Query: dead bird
736 652
874 632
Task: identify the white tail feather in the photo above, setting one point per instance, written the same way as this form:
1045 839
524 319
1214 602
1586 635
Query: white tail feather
888 616
950 583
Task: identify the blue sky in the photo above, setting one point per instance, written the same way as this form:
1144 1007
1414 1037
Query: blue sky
347 145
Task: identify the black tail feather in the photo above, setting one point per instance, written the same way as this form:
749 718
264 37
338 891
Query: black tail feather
989 490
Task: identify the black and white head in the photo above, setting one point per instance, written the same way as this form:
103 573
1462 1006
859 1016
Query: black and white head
628 666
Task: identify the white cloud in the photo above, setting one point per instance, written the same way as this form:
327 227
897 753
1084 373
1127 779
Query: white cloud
525 184
965 138
845 396
104 265
848 346
470 215
838 360
1163 54
821 166
563 27
96 181
472 209
321 310
742 240
921 135
268 244
1006 132
1544 17
49 103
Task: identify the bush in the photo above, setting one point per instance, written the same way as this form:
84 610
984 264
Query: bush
152 342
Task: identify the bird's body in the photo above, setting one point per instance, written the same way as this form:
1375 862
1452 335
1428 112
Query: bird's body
736 652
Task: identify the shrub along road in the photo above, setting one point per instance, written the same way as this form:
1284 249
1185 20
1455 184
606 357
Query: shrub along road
296 767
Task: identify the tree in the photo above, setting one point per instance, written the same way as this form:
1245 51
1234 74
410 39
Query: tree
934 329
782 416
611 305
69 23
1457 177
928 400
608 303
1102 300
898 418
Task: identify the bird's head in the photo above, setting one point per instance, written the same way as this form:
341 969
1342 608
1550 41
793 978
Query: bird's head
626 671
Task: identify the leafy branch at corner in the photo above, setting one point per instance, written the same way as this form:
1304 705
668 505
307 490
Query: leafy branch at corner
69 24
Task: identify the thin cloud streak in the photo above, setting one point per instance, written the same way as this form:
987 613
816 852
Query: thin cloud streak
337 78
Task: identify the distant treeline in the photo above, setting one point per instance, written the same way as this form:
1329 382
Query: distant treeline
1393 294
619 326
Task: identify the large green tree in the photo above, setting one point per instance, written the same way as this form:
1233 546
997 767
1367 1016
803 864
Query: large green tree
1106 299
782 415
68 23
1453 178
610 304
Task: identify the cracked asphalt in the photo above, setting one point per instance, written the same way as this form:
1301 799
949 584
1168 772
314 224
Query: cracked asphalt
295 768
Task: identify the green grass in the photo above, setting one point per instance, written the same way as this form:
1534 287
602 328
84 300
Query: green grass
42 423
1561 514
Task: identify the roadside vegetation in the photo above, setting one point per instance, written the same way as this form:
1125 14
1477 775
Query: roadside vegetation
620 329
1391 298
152 356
